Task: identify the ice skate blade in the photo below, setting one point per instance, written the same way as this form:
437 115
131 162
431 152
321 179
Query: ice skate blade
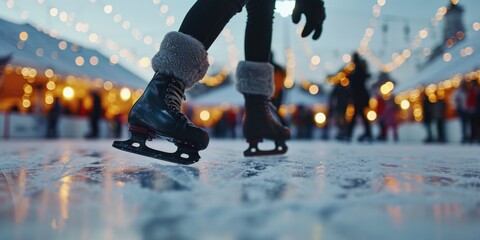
184 154
254 151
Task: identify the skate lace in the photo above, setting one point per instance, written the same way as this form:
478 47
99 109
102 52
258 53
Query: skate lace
174 99
267 106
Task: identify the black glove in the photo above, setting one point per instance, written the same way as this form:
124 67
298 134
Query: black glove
315 13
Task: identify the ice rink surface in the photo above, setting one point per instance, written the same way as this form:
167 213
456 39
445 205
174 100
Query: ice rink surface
76 189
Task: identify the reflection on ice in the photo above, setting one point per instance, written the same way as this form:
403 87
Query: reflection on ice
88 190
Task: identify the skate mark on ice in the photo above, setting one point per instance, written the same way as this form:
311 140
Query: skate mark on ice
74 165
6 190
169 227
390 165
439 181
470 185
164 178
470 179
93 154
254 166
471 174
185 175
267 191
304 171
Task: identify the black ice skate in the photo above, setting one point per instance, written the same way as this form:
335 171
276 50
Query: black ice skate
263 122
158 114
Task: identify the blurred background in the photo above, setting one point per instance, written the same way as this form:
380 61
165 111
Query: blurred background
73 69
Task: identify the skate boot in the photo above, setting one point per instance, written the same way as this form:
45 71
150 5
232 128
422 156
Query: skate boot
261 120
157 113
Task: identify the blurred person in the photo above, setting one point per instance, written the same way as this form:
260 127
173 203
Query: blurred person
3 63
460 103
232 123
475 117
221 126
358 78
389 120
463 112
116 126
338 101
439 116
14 109
94 115
53 117
182 61
304 121
380 110
427 117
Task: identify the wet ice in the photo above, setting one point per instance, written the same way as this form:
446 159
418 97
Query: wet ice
319 190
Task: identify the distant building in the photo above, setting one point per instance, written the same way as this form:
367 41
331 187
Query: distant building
453 31
454 27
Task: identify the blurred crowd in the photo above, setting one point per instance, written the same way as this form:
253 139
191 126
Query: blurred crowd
355 110
350 115
467 106
95 114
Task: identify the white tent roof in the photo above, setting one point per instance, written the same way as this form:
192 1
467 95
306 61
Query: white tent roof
298 96
223 94
64 62
439 70
228 94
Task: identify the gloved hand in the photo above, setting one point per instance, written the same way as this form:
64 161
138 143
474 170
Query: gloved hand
314 12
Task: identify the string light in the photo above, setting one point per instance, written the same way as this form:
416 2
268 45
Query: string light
476 26
144 62
315 59
77 85
68 93
69 21
290 69
398 58
125 53
320 118
110 44
136 33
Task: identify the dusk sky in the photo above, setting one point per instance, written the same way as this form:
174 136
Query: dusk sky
91 22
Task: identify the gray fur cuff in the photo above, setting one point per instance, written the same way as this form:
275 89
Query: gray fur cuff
255 78
182 56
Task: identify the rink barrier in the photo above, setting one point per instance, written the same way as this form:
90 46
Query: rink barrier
16 125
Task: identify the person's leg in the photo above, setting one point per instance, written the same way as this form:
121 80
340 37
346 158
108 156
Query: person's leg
207 18
441 130
383 131
179 64
366 125
474 127
463 124
255 74
351 125
258 33
183 54
468 126
54 128
367 134
428 128
255 81
95 128
395 132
